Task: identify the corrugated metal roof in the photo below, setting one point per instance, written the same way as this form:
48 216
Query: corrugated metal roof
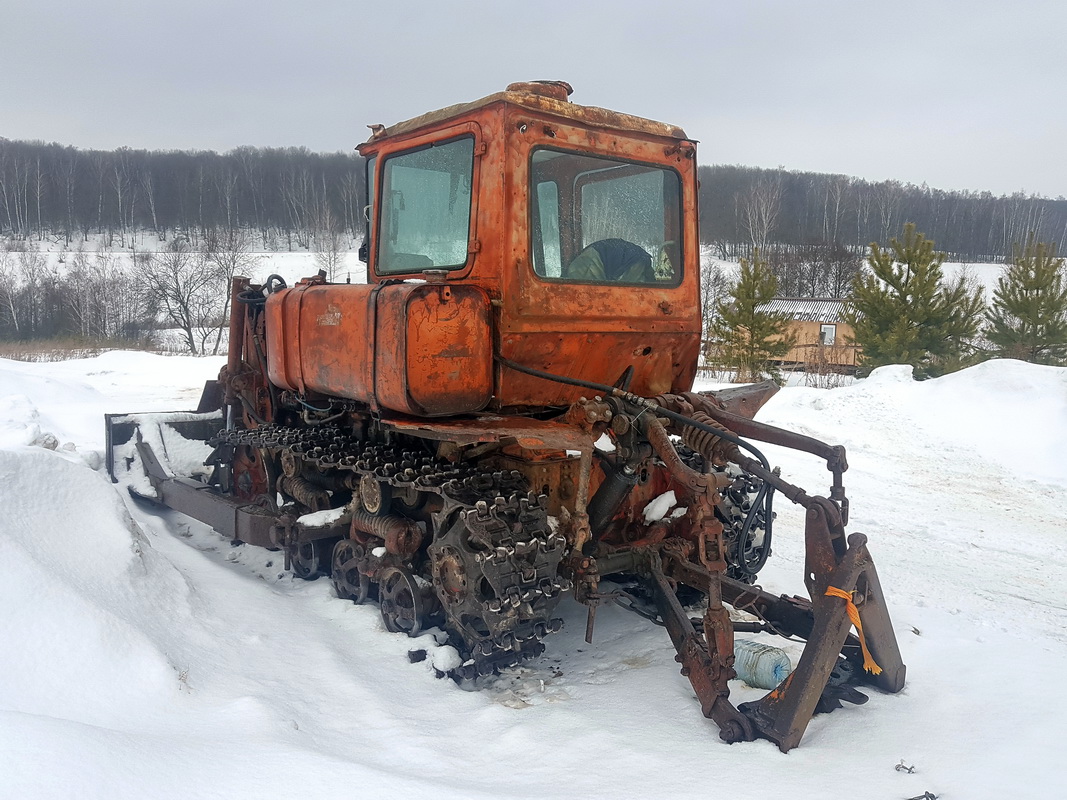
811 309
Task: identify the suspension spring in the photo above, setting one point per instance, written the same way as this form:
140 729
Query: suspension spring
712 447
402 536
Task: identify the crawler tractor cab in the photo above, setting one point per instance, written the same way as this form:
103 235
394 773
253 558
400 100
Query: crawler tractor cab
541 232
480 428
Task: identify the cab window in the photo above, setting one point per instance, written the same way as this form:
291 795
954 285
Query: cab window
600 220
426 208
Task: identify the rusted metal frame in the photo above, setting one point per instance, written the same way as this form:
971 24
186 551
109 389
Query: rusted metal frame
372 327
707 656
834 455
527 432
878 631
697 483
233 518
702 489
743 400
791 491
783 715
782 615
235 346
706 661
582 532
761 431
252 321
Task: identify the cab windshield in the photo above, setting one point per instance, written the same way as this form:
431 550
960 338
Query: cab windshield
598 220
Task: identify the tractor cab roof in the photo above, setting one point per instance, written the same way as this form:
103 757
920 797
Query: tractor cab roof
545 97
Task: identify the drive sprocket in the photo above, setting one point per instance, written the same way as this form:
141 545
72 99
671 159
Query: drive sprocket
495 569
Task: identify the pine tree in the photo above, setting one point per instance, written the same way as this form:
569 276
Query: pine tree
748 336
903 314
1028 319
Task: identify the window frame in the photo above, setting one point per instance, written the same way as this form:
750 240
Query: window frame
468 131
533 215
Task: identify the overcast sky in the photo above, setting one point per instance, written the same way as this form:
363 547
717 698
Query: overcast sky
959 95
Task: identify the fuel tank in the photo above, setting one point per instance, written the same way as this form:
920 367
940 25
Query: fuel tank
416 348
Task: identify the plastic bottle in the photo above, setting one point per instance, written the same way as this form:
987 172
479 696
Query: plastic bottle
760 665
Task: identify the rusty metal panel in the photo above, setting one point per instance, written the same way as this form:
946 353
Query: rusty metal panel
663 362
579 329
544 100
318 338
587 329
435 351
533 434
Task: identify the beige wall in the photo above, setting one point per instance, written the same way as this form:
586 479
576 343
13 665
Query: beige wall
807 349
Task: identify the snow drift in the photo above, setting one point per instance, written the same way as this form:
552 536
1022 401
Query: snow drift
143 656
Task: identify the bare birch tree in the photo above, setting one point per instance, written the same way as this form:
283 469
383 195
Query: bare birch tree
187 288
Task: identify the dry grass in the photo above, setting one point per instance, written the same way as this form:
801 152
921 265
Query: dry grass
64 349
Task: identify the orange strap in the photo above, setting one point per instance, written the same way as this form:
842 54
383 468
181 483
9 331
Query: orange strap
854 617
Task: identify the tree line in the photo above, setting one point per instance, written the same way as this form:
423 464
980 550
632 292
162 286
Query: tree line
289 195
746 208
103 297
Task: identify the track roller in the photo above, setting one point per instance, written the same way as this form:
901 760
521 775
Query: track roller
348 581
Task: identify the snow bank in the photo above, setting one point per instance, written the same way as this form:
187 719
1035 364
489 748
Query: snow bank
80 579
144 657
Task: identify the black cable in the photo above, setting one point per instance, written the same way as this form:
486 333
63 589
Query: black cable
638 401
274 283
764 495
766 492
252 297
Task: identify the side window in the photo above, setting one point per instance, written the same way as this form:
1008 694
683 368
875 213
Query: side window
426 208
598 220
827 334
368 210
546 251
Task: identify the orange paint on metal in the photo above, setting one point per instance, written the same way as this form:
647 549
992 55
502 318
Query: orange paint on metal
435 351
588 330
539 434
415 348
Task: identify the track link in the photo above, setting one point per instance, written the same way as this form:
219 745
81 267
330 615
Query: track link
491 558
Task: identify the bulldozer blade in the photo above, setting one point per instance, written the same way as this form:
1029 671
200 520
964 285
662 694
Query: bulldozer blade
783 714
123 431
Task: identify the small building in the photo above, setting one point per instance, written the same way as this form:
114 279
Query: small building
824 339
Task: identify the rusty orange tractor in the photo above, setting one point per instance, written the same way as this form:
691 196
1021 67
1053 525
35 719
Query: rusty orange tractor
477 430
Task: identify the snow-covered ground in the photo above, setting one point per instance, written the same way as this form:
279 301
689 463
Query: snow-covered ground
142 656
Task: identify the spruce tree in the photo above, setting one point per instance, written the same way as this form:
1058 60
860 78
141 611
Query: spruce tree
903 314
1028 319
748 336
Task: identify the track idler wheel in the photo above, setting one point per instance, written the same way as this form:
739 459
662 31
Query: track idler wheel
348 581
404 607
308 560
374 495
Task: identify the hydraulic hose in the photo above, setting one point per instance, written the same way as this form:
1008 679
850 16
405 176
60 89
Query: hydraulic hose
766 491
642 402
